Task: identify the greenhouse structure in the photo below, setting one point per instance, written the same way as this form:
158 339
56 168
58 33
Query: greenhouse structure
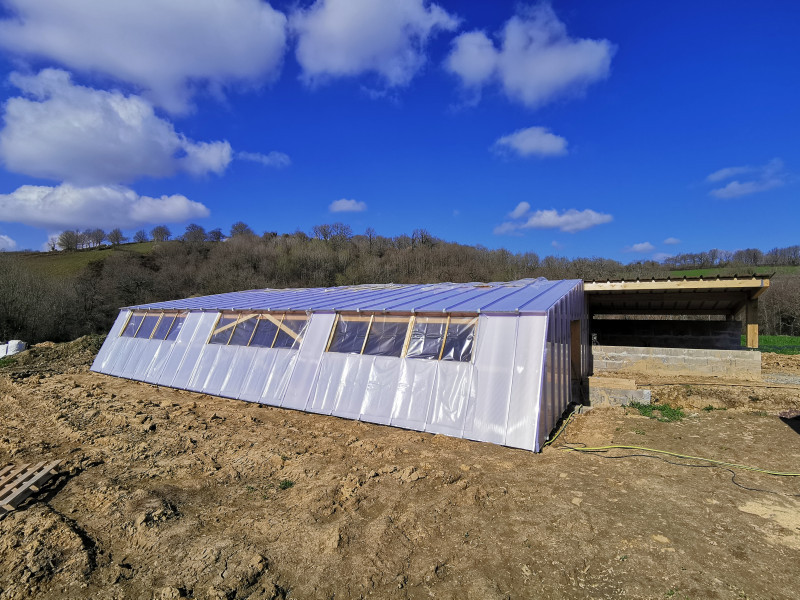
491 362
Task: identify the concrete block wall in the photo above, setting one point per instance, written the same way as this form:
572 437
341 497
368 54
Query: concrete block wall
721 335
737 364
599 396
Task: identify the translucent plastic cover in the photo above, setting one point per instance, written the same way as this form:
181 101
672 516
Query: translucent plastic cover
460 339
427 337
387 336
349 334
133 324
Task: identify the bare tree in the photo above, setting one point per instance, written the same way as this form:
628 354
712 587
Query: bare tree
322 232
216 235
241 228
140 236
96 236
194 234
161 233
69 240
116 237
421 237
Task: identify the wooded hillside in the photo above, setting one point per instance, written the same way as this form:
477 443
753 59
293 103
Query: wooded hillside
60 295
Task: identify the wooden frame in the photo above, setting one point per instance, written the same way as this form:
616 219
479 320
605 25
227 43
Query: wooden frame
461 318
241 317
17 483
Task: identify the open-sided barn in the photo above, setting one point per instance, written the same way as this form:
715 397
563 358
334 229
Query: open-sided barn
491 362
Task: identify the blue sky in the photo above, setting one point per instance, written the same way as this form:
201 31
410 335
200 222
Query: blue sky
629 130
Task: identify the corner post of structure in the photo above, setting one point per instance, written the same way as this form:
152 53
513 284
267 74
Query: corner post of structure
751 318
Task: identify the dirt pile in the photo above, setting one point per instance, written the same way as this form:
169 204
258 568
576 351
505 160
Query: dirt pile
171 494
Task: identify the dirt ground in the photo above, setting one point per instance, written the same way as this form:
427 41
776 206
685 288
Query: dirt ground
170 494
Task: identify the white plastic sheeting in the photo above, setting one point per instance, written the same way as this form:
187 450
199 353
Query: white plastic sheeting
512 392
12 347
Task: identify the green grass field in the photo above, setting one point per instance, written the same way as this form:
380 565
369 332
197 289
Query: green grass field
67 264
779 344
734 271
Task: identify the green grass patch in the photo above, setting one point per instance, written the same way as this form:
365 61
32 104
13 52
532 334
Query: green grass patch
779 344
286 484
7 362
661 412
68 264
713 272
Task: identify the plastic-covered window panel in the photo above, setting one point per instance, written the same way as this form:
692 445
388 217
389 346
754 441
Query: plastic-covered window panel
416 385
237 374
290 333
148 324
526 383
224 329
382 388
255 380
278 378
334 374
460 339
202 367
243 330
133 324
216 374
487 417
264 335
349 334
164 325
307 365
175 328
427 336
387 335
106 355
451 398
193 349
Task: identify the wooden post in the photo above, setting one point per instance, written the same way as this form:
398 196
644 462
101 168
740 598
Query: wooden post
751 318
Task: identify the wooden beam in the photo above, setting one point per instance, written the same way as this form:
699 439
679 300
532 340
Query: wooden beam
638 297
660 311
752 323
626 286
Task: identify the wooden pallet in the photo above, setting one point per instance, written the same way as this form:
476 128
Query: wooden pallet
17 482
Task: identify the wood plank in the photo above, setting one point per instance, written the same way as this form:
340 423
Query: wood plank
35 478
751 314
281 326
6 485
621 286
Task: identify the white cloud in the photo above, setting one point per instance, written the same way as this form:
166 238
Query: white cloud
507 228
661 256
345 205
763 178
569 221
727 173
51 242
344 38
67 206
671 241
278 160
533 141
744 188
556 244
73 133
6 243
168 48
520 210
537 61
641 247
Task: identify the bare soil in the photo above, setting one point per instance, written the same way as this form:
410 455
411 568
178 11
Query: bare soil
169 494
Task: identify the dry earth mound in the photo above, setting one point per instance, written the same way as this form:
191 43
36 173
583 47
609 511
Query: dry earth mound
170 494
